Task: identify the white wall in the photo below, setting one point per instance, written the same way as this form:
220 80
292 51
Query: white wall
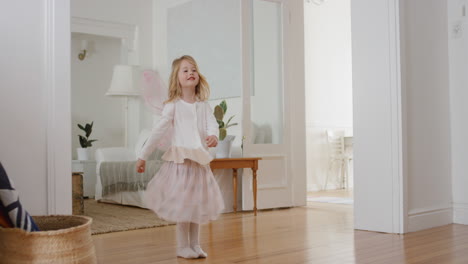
137 13
328 84
458 52
428 115
90 80
23 102
34 103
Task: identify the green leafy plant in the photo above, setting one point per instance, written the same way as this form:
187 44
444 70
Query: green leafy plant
219 112
84 140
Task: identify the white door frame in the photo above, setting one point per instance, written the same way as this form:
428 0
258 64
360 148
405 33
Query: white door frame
57 76
379 178
58 113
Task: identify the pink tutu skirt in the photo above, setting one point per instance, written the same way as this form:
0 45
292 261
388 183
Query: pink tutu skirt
184 192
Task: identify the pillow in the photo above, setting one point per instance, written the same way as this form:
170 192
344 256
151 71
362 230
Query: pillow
11 206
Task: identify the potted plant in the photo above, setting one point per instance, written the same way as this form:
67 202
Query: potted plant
85 142
225 141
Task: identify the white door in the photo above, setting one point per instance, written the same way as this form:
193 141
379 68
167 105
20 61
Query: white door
239 44
266 103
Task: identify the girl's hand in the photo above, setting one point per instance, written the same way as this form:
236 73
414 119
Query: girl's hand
140 166
211 141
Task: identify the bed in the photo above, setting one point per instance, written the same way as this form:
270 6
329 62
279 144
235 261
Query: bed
117 180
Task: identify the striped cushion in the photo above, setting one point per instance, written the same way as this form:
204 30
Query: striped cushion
4 219
11 206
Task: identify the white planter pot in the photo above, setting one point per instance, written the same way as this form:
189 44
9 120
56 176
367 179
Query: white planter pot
83 153
224 148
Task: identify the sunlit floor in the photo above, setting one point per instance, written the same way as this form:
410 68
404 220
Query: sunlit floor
344 193
316 233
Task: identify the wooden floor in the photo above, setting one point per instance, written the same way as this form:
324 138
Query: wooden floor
317 233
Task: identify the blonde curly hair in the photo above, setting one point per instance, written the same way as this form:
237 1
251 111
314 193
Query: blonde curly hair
202 90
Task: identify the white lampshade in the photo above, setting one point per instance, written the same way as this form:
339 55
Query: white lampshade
125 81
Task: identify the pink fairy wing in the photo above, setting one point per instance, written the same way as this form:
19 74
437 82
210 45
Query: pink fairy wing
155 93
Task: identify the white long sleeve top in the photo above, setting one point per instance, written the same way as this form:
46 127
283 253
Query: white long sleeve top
192 123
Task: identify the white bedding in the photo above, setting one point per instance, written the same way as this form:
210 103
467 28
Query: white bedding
135 198
223 177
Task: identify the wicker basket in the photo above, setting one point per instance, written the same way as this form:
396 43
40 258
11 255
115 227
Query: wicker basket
62 239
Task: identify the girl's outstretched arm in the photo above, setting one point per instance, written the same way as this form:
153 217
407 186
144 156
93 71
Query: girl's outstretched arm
158 131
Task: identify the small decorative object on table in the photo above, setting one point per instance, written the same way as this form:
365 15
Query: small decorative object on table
223 149
85 142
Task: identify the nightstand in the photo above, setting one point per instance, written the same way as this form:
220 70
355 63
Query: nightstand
88 168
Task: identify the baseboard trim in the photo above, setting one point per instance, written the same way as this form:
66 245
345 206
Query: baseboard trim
460 213
429 218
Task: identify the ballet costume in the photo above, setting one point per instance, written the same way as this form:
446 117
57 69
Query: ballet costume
184 189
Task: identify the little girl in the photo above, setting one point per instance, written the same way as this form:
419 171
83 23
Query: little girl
184 189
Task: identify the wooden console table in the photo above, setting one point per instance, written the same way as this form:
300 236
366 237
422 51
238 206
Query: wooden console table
239 163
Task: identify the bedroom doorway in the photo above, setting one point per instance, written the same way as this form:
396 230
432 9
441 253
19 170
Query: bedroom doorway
97 47
92 59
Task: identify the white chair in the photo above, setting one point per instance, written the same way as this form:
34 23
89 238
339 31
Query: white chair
337 157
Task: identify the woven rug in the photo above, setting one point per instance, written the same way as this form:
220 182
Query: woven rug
113 217
325 199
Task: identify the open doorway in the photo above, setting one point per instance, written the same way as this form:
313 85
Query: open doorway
329 108
92 60
98 93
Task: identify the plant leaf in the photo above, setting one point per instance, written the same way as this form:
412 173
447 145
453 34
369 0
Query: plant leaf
227 123
81 127
88 130
234 124
223 105
90 142
83 141
222 133
218 113
220 123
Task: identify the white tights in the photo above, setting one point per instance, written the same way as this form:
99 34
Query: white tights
188 241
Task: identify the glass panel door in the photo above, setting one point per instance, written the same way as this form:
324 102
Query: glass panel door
266 102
